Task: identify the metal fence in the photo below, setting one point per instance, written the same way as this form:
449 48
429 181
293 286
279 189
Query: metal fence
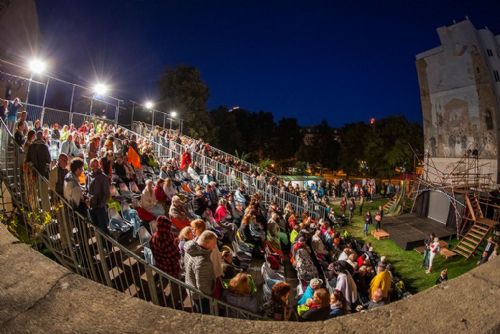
86 250
269 191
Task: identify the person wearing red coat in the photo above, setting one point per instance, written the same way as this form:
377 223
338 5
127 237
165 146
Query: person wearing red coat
185 160
160 195
167 255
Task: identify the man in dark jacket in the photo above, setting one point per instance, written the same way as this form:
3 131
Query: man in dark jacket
99 193
57 174
199 269
38 154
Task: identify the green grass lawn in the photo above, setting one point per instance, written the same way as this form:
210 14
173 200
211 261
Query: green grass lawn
408 264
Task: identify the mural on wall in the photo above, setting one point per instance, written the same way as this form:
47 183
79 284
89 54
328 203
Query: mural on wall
457 126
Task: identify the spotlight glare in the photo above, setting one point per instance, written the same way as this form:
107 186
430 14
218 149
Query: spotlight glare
173 114
37 66
101 89
149 104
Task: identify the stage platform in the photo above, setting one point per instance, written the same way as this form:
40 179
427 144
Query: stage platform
409 231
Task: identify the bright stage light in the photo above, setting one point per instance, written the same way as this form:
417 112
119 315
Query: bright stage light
100 89
173 114
37 66
149 105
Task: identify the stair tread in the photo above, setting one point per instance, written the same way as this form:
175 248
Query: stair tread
461 252
468 244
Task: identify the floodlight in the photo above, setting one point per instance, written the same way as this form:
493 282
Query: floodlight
149 104
37 66
173 114
100 88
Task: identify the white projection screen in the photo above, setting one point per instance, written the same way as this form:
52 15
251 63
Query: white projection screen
439 207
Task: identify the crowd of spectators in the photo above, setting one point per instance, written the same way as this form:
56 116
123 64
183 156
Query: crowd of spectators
203 233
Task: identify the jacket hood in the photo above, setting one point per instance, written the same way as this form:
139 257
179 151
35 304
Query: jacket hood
70 177
192 248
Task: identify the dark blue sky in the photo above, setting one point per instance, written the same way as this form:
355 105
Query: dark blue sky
342 61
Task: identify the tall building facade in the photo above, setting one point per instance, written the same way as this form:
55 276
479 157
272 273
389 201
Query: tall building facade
460 94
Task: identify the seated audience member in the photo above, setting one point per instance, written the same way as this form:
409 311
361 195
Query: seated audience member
314 285
149 202
381 281
228 268
160 195
319 306
338 305
443 276
376 301
178 214
278 307
69 148
239 293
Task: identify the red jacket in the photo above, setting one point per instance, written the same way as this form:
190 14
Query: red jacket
160 194
165 249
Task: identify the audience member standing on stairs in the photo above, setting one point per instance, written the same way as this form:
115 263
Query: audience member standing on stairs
99 193
38 154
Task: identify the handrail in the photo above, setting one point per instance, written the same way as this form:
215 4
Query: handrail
265 188
89 252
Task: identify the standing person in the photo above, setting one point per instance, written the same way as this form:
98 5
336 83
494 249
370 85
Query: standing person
434 249
199 269
378 220
13 107
72 191
57 174
352 207
361 202
488 250
99 194
167 254
343 205
428 241
368 221
38 154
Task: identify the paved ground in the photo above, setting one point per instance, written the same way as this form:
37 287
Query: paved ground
39 296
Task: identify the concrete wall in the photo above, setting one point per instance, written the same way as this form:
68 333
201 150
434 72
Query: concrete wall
39 296
459 95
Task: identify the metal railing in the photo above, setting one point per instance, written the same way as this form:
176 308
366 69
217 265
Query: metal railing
88 251
269 191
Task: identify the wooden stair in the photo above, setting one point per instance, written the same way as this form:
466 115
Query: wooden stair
389 204
469 244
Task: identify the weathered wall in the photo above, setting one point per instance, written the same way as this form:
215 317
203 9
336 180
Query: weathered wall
459 98
39 296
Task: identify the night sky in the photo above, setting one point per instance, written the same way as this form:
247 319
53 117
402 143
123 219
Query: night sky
343 61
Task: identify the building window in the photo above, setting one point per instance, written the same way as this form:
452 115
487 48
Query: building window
497 76
489 52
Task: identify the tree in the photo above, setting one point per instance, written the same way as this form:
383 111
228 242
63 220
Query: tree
227 135
323 151
182 89
287 139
